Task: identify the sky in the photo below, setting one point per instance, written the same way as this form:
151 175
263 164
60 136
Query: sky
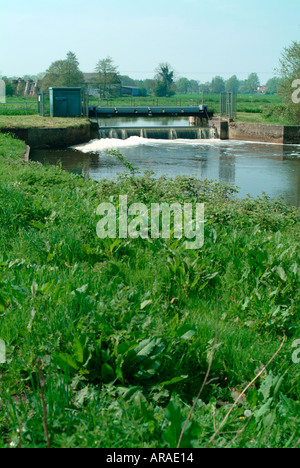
199 39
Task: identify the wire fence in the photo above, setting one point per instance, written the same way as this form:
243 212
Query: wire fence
19 108
145 101
41 104
228 105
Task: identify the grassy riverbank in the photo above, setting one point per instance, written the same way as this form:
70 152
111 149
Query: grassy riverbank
116 336
37 121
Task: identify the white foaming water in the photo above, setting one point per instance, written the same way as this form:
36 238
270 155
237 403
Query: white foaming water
94 146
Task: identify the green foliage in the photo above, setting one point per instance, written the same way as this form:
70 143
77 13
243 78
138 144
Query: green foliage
232 84
63 73
186 86
108 81
165 81
217 85
272 85
125 327
289 72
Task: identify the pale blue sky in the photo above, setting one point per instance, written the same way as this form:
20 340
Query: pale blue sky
200 39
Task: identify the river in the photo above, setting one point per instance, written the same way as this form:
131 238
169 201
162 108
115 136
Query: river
253 167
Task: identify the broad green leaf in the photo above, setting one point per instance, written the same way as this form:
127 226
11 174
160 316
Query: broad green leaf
107 373
173 381
78 350
263 409
145 348
188 335
267 385
65 360
176 420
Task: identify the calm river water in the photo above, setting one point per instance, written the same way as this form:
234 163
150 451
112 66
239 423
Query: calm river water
253 167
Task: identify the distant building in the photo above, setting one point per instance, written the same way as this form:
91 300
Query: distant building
261 89
130 90
31 88
112 85
28 88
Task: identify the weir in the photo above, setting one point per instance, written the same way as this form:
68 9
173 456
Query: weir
152 111
158 133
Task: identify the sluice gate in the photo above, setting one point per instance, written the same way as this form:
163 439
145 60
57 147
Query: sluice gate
158 133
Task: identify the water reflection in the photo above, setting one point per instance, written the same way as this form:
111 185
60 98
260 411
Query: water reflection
254 167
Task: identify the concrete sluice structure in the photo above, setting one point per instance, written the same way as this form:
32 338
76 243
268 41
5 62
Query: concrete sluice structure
158 133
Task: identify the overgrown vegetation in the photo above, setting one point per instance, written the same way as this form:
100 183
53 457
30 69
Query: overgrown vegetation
109 341
288 109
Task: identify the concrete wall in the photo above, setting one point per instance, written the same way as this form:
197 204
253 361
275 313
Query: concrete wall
292 134
52 137
256 132
221 128
68 136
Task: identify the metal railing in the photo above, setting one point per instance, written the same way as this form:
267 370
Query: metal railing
145 101
228 105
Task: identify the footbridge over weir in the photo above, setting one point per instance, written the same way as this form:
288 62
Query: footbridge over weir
152 111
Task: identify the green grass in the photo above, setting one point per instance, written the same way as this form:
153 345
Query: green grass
256 108
19 105
122 330
250 107
37 121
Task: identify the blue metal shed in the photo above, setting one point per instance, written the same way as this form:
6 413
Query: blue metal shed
65 102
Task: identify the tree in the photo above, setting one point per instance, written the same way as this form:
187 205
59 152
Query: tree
183 86
205 87
164 80
63 73
253 83
290 61
127 81
217 85
108 80
72 76
194 86
232 84
289 87
273 85
53 76
148 84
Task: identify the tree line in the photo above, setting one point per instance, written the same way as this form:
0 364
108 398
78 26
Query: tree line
107 80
